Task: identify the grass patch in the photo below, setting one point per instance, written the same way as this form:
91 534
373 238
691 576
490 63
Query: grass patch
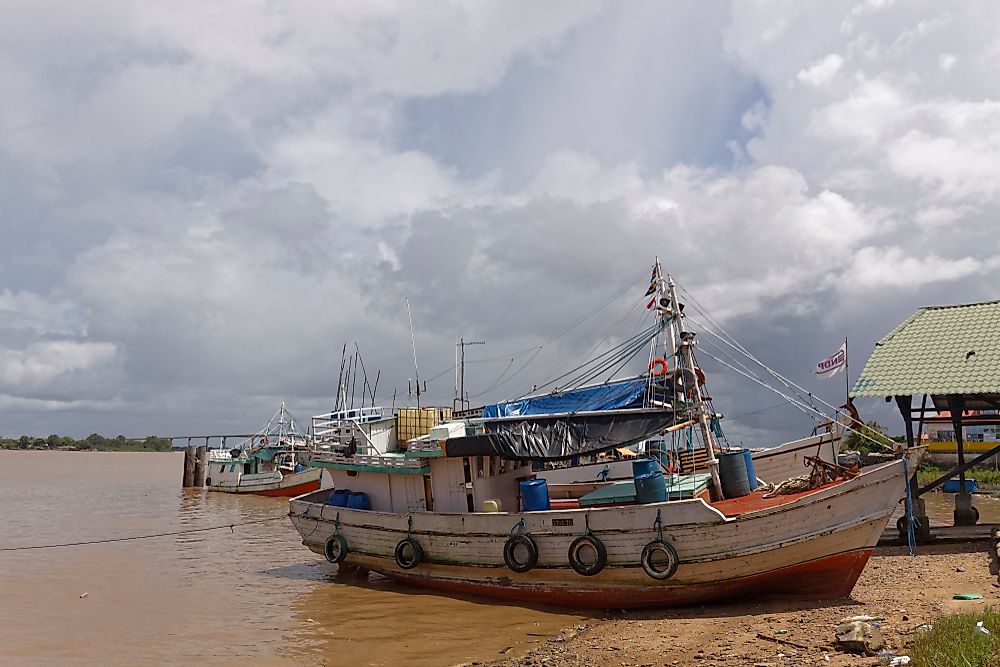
928 472
955 642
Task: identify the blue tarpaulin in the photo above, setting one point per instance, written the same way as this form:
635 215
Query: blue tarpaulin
615 396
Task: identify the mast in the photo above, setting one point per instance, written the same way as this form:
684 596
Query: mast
460 398
847 376
685 351
413 345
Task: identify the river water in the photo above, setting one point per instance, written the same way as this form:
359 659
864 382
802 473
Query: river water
247 595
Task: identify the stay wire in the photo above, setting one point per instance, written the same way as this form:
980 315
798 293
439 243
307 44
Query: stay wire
596 361
143 537
728 339
804 407
566 329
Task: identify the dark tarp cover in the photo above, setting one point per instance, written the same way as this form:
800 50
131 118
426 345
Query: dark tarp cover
614 396
562 436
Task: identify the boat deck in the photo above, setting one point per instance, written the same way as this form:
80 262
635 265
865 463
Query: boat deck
757 500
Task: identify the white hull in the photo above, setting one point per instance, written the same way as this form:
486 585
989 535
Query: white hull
269 483
811 545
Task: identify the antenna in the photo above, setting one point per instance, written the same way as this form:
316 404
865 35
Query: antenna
460 396
413 345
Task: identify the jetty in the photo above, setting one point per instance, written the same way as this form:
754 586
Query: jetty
949 357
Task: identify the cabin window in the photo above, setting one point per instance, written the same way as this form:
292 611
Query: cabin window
232 467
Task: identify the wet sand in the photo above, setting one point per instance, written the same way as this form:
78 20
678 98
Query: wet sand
907 591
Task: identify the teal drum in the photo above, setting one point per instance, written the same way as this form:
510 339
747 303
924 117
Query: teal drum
650 487
751 470
534 495
733 474
643 466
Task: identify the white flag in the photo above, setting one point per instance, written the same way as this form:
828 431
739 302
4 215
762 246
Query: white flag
833 364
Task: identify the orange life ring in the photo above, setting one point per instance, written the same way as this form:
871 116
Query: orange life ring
660 364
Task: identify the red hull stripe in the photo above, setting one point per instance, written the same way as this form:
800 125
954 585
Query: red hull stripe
290 491
829 578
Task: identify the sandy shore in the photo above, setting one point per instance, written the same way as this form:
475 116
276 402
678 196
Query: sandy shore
907 591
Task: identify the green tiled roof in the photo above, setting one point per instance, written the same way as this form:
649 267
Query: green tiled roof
937 350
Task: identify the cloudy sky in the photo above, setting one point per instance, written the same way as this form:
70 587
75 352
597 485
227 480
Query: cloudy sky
202 202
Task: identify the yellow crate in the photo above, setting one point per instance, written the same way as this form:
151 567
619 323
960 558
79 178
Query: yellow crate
415 422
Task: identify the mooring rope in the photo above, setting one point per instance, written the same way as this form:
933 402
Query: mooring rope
230 526
910 519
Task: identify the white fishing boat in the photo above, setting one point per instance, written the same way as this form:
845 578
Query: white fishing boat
463 510
271 463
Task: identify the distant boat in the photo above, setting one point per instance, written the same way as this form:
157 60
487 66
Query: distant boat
462 509
274 462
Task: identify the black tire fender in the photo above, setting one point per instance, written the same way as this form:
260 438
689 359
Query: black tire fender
408 561
510 553
335 548
587 569
650 568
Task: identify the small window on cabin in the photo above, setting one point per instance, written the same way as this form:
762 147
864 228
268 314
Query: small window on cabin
222 468
232 467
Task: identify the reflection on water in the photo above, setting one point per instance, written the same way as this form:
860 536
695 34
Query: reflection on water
251 594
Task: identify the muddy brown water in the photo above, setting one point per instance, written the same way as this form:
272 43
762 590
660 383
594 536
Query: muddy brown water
941 507
248 595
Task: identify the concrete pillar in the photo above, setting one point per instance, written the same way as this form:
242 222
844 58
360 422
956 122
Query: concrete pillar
965 513
189 460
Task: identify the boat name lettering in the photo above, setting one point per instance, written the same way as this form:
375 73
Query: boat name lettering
562 522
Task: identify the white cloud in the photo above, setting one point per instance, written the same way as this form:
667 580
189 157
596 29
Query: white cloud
59 368
818 73
875 268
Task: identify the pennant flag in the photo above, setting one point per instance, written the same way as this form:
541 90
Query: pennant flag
652 302
833 364
654 282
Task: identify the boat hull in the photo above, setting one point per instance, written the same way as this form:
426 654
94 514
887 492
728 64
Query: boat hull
812 545
827 578
284 486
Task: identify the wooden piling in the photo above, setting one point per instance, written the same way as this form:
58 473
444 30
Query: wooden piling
189 461
200 465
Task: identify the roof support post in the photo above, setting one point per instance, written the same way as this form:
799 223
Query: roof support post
905 405
922 524
965 514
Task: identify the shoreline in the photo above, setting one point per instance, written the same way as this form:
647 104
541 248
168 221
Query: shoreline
905 591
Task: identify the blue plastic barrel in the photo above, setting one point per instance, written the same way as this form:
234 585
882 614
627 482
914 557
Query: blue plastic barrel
955 485
733 474
650 487
534 495
643 466
338 497
751 470
358 500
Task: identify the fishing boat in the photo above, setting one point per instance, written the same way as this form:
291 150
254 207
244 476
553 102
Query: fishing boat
273 462
465 510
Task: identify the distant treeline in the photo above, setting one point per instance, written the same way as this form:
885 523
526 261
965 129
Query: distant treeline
93 442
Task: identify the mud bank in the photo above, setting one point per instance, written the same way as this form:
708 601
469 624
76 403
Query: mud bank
905 591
